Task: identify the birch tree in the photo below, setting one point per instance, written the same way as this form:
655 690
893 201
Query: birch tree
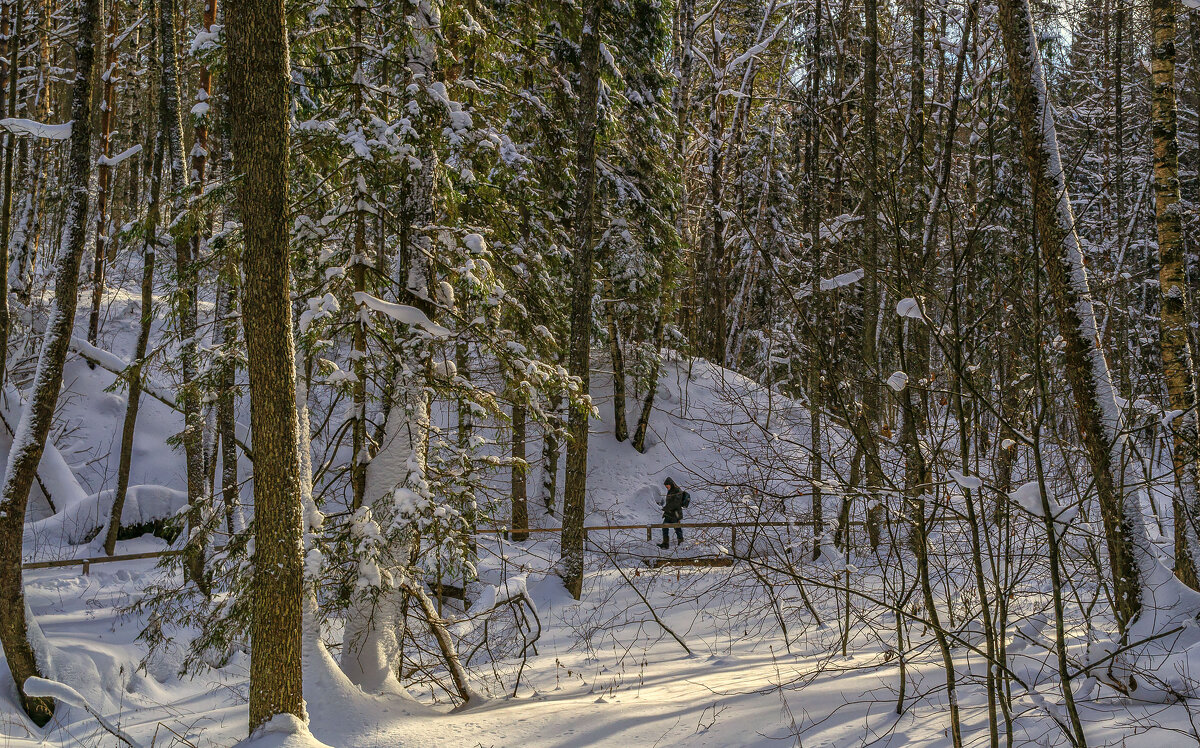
1174 300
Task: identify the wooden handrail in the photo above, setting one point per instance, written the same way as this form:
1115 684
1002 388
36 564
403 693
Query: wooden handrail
87 562
799 523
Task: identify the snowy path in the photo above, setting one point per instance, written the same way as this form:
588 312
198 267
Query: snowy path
624 685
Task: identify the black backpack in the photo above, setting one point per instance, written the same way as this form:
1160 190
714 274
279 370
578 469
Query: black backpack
687 499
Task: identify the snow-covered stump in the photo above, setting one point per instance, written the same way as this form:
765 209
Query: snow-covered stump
395 484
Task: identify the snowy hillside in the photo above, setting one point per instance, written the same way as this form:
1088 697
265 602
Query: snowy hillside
675 655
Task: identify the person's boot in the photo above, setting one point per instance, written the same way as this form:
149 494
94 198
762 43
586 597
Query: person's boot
664 545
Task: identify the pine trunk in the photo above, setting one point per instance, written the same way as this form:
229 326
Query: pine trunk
226 402
104 180
579 361
133 400
871 400
551 450
712 266
185 305
520 504
617 356
816 308
258 95
358 275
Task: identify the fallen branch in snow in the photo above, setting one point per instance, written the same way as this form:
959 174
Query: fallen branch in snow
438 626
519 602
49 689
1117 685
116 365
649 607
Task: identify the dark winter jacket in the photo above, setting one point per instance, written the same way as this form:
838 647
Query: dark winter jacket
673 507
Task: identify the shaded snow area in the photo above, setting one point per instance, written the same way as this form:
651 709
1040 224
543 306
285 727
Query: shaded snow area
749 654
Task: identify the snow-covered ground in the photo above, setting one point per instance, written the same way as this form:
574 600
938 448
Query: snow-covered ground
650 656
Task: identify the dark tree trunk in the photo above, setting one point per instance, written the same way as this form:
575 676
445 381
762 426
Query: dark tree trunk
520 504
104 179
551 450
871 411
185 311
258 111
10 157
621 426
30 438
579 360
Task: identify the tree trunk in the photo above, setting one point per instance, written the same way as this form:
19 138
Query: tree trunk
226 401
358 275
520 505
1174 306
685 28
103 180
258 95
621 427
871 400
197 236
579 361
551 446
816 308
913 269
30 438
712 266
1130 554
146 322
185 306
10 157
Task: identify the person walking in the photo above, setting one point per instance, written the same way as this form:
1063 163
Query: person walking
672 509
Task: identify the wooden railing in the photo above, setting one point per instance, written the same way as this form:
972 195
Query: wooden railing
87 562
506 532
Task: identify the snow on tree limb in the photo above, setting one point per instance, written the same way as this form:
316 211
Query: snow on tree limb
402 313
21 126
114 160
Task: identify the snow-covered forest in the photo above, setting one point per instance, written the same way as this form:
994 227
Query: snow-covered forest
357 355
